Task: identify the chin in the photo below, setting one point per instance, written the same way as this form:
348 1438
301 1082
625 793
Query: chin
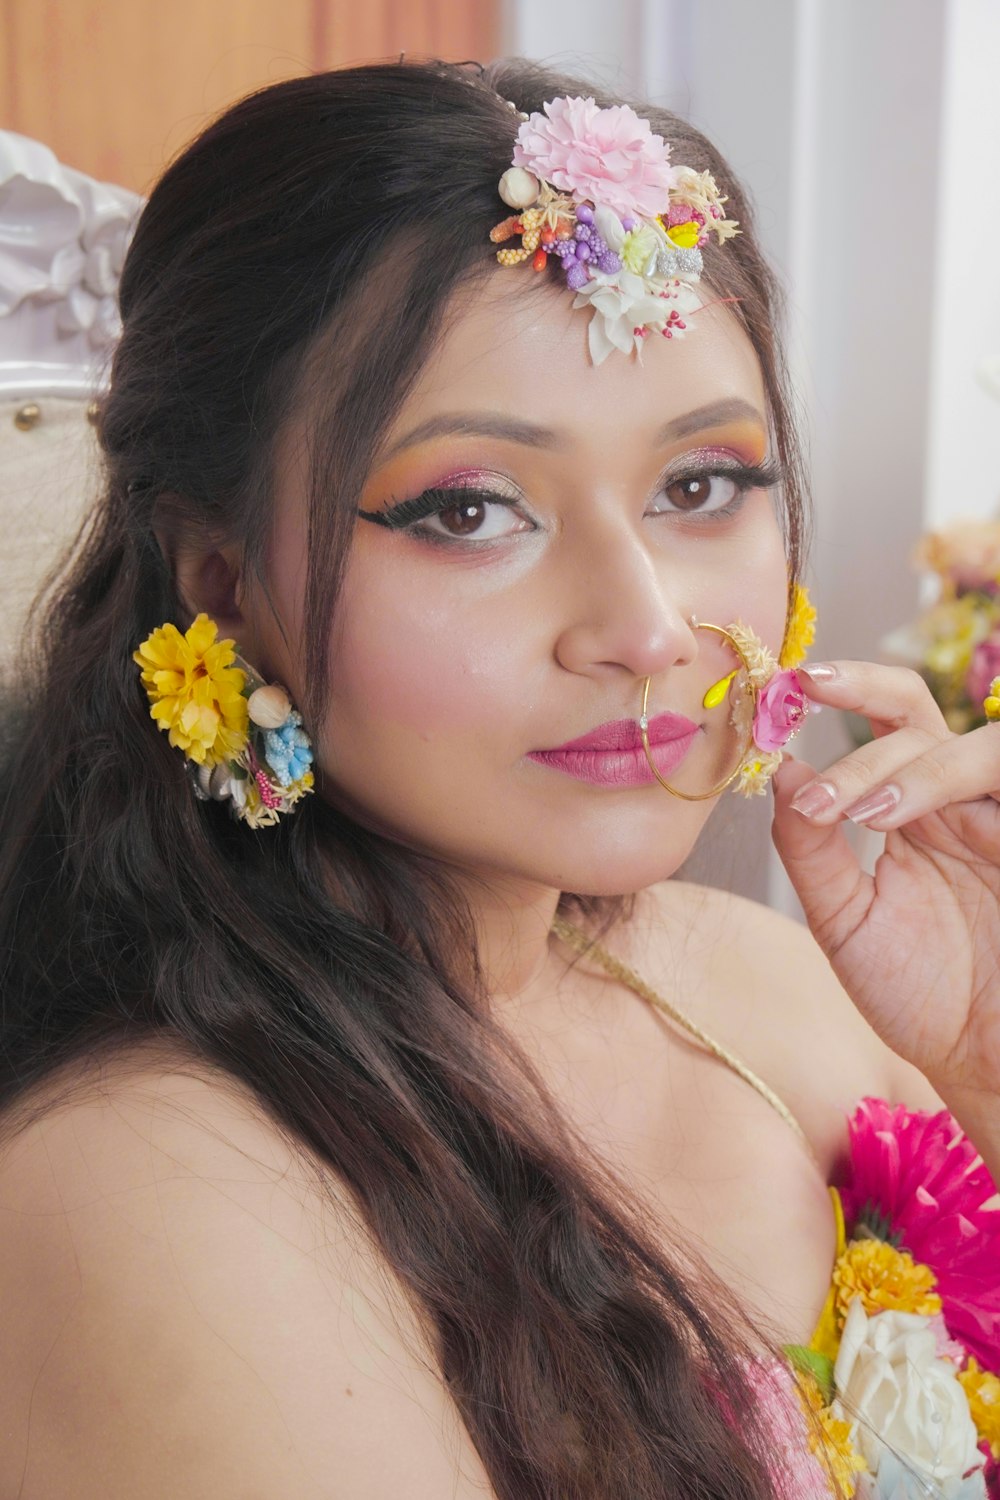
615 870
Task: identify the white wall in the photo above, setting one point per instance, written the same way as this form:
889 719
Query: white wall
866 132
963 436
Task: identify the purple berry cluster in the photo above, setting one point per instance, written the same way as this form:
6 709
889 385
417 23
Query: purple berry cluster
586 250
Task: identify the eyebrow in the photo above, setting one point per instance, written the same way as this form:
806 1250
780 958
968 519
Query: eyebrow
512 430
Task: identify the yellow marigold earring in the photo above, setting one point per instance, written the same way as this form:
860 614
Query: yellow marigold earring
767 703
242 736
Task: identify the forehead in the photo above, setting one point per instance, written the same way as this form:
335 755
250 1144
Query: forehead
517 346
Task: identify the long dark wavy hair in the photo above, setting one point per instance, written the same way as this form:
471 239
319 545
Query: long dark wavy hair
325 967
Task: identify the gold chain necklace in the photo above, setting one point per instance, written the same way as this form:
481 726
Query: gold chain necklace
613 966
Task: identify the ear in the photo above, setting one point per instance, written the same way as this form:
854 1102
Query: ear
210 581
205 577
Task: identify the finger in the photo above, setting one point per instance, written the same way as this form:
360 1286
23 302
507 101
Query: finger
848 780
961 769
834 890
889 697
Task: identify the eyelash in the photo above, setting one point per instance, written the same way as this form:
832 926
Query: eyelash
407 514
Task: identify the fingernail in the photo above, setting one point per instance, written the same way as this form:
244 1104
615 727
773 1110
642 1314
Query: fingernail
814 798
819 671
874 805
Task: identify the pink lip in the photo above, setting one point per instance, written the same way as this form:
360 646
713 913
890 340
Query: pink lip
612 754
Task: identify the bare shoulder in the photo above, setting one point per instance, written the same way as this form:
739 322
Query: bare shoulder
192 1307
761 984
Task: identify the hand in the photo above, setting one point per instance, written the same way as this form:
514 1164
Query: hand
917 946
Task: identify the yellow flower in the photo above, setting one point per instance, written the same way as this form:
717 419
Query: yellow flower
685 235
952 630
983 1391
195 691
831 1441
991 703
800 631
884 1278
638 248
756 772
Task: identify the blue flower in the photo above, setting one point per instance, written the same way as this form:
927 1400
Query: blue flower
287 750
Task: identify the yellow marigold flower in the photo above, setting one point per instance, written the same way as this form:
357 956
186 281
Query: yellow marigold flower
884 1278
983 1391
831 1440
800 632
195 691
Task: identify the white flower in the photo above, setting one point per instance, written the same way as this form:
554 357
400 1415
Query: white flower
904 1398
623 302
895 1481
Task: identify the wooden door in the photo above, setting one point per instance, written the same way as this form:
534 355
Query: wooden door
117 87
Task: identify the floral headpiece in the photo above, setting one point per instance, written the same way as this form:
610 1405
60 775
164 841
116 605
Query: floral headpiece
243 738
595 189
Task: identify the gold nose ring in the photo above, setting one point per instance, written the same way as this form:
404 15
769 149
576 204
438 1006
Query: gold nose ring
717 693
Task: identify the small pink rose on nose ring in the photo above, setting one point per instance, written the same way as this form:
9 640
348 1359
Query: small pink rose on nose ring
781 708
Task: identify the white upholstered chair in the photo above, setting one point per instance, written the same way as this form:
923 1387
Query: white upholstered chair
62 242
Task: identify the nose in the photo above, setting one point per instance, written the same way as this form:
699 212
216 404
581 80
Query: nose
627 611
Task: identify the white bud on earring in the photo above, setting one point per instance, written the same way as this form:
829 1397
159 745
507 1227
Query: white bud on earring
269 706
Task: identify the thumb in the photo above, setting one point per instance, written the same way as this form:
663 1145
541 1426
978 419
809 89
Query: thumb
831 885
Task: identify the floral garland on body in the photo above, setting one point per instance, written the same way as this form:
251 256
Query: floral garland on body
901 1380
595 190
243 738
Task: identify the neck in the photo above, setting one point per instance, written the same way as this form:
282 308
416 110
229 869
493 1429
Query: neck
512 926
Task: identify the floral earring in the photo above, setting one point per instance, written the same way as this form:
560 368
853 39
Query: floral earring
243 739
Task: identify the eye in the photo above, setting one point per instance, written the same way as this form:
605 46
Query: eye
482 519
718 494
698 492
454 515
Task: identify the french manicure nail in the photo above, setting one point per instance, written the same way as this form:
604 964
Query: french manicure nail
874 805
819 671
814 798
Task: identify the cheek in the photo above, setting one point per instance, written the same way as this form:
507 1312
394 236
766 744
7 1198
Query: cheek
753 588
431 667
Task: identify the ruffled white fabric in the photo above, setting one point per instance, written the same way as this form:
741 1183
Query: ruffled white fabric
63 238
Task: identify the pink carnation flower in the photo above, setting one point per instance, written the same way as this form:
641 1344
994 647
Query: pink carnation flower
922 1173
607 156
781 708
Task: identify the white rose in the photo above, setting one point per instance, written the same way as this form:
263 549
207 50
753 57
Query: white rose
892 1383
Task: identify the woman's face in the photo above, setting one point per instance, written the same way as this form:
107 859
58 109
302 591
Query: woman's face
589 513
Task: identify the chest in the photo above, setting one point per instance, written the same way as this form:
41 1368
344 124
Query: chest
722 1180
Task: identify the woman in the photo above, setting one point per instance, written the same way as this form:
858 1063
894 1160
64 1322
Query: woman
335 1161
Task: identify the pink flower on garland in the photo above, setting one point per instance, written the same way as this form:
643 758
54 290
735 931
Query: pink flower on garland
608 156
917 1176
781 708
797 1472
984 666
991 1472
